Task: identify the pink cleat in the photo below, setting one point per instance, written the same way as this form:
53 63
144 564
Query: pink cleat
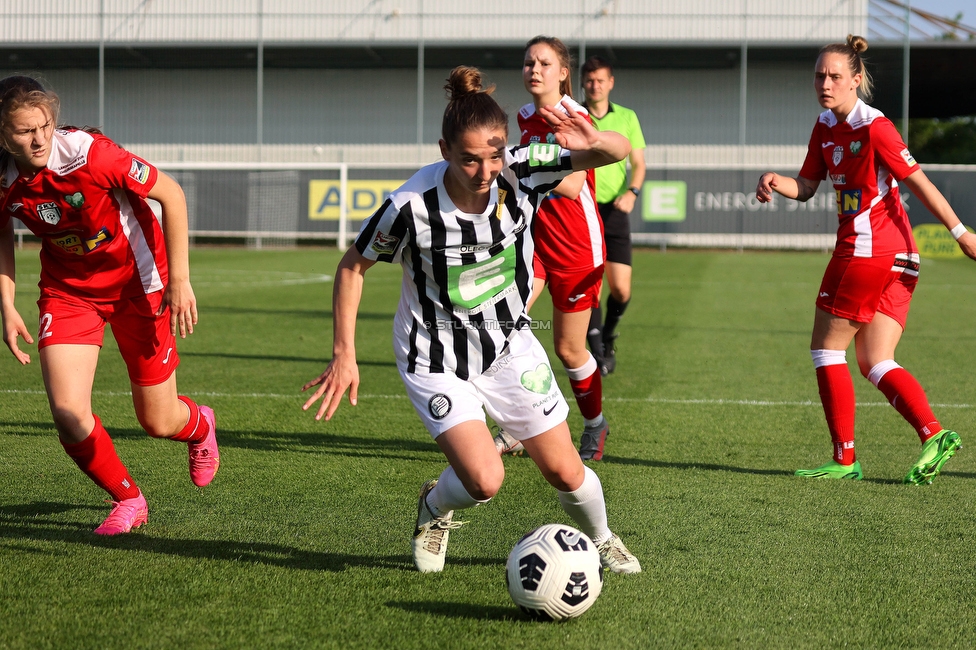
126 515
204 455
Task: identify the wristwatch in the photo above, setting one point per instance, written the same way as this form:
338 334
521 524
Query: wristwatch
635 190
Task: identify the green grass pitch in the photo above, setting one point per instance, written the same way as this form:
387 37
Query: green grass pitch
302 540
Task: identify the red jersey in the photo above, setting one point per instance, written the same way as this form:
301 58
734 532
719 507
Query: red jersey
568 233
864 157
99 237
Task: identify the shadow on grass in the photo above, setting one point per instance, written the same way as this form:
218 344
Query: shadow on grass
713 467
460 610
29 521
307 443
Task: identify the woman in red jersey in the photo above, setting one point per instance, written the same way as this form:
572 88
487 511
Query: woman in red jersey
868 284
104 259
569 249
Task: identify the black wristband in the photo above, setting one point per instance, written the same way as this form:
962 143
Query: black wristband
635 190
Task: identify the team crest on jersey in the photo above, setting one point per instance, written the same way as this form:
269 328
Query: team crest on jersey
49 213
439 406
855 147
384 244
907 156
139 171
75 200
551 138
838 155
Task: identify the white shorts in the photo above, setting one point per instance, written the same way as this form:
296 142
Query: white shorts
519 392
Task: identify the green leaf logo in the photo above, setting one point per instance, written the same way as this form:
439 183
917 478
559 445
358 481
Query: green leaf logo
75 200
538 380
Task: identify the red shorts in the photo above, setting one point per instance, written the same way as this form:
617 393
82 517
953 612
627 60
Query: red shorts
571 291
145 341
856 288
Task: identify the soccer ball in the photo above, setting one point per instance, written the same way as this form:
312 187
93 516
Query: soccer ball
554 573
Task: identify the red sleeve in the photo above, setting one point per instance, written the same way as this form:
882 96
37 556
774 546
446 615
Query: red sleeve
113 166
814 166
891 149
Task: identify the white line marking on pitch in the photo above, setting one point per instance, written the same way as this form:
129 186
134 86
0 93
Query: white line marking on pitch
651 400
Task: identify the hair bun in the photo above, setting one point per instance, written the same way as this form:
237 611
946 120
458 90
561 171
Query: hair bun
857 43
465 80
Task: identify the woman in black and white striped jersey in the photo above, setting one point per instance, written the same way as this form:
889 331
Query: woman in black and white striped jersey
460 229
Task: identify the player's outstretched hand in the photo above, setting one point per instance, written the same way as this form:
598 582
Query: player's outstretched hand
183 307
13 326
571 129
341 373
968 245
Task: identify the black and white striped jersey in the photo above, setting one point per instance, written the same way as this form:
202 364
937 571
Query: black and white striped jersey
466 277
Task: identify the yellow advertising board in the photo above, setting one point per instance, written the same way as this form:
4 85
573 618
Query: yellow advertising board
362 198
935 242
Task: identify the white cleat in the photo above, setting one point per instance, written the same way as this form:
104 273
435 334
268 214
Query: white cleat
615 557
430 535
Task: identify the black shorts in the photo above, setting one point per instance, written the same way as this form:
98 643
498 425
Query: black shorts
616 233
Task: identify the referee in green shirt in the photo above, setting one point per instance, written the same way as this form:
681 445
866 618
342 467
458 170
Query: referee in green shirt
616 196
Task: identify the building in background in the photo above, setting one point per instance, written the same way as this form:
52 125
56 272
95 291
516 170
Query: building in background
724 87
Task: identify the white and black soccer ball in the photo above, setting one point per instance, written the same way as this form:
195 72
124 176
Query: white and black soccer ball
554 573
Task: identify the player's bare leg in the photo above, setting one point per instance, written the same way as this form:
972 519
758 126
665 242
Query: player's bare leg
163 413
580 494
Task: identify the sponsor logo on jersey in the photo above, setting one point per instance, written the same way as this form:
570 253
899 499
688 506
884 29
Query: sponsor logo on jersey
838 179
824 145
535 138
906 155
848 201
439 406
576 297
384 244
502 195
838 155
78 246
472 287
543 155
13 207
855 147
49 213
549 410
551 138
538 380
75 200
139 171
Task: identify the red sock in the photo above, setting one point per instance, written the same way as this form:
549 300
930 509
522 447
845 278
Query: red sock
589 394
908 397
96 457
196 428
837 396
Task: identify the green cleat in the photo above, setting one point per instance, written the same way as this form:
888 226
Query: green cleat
935 452
833 469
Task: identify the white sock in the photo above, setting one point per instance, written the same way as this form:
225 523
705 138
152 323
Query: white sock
449 494
587 507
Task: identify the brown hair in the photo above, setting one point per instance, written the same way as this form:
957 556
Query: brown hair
469 106
18 91
594 63
852 51
565 60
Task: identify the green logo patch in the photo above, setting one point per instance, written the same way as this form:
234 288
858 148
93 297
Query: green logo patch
75 200
543 155
538 380
472 284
